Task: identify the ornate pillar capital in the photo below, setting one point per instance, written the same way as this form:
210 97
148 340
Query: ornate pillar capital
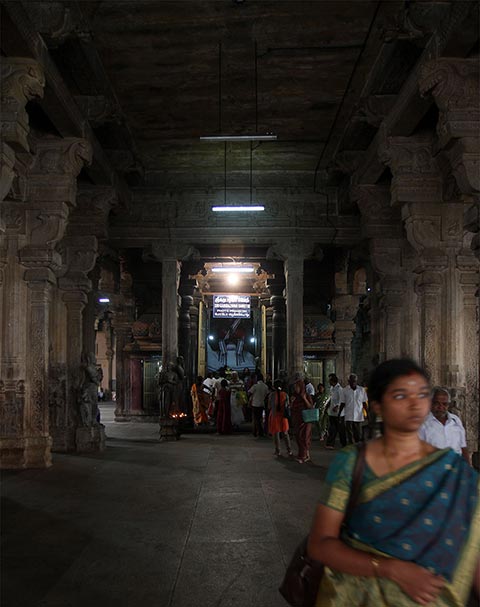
56 165
433 229
416 177
92 210
454 84
164 251
22 79
293 249
378 215
80 254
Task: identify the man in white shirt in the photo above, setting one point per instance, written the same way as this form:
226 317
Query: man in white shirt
309 388
258 392
353 404
441 428
336 415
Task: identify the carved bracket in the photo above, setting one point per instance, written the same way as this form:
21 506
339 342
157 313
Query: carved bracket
22 79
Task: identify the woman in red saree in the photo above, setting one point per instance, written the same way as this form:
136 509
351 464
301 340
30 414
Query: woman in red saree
303 432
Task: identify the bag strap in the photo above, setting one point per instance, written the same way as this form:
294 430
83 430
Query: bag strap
356 480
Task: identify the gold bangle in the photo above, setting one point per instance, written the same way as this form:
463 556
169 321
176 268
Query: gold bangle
376 566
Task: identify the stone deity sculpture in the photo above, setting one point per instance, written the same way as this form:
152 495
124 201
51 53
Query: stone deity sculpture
170 387
89 391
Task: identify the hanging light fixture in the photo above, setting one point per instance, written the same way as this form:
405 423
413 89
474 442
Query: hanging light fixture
228 137
236 208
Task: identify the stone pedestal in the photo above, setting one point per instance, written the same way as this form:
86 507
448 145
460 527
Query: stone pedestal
90 439
169 429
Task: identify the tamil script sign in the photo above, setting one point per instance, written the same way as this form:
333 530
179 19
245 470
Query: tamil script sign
231 306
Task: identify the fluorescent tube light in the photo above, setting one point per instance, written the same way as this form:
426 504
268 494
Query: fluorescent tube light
236 209
234 269
266 137
104 300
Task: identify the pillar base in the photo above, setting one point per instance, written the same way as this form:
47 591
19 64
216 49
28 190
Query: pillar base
25 452
63 440
169 429
90 439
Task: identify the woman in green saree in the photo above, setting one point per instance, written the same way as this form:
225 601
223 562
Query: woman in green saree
414 535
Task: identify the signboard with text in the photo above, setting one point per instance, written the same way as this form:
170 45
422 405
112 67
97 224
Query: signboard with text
231 306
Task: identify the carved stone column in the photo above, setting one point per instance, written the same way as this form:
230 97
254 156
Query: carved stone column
186 345
123 336
469 282
170 279
345 307
382 226
63 434
50 190
279 331
80 254
293 252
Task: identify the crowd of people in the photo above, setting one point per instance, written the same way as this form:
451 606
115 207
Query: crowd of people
412 538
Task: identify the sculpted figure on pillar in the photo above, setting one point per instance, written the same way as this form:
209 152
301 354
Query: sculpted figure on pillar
88 405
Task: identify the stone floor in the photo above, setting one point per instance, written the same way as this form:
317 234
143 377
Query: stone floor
207 521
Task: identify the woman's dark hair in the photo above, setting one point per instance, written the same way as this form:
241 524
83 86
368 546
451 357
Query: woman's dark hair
278 384
387 372
224 383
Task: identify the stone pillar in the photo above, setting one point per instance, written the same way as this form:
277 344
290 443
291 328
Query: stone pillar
279 362
382 226
123 336
293 253
170 279
63 433
429 287
37 443
345 307
186 346
454 84
42 217
136 382
80 253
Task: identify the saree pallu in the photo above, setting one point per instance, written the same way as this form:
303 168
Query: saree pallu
200 402
427 512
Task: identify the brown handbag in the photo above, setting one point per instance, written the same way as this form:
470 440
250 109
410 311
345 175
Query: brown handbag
302 578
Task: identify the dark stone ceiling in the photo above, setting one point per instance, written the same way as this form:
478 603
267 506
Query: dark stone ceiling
163 62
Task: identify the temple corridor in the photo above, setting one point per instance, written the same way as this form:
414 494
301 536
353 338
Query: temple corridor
206 521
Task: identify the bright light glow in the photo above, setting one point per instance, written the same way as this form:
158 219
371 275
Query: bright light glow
265 137
252 340
210 337
238 209
233 279
236 269
104 300
369 289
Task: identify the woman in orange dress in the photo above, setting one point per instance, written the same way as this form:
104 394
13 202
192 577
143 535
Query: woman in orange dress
277 422
200 402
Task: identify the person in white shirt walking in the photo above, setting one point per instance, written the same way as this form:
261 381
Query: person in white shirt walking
443 429
336 416
258 392
354 403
